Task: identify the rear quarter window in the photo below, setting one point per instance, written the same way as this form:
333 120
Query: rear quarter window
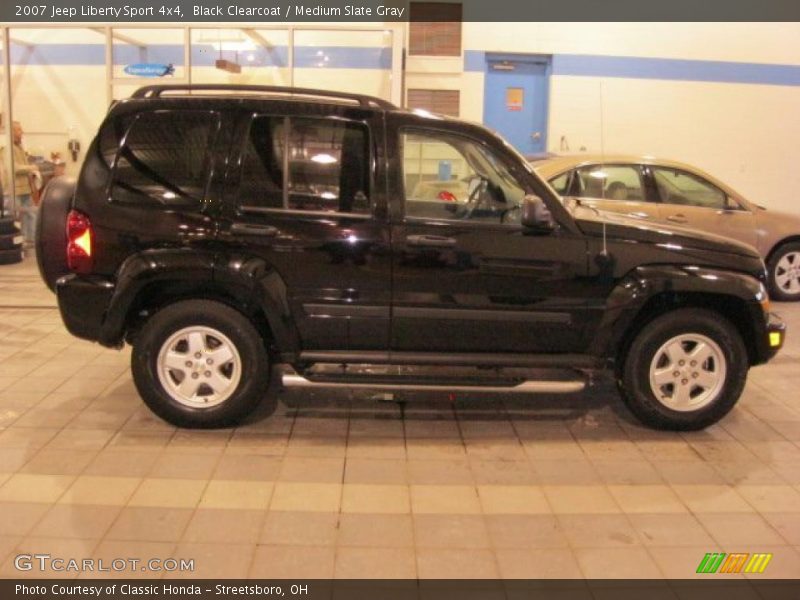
164 159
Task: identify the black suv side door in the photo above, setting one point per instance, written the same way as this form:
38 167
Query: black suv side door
467 276
306 196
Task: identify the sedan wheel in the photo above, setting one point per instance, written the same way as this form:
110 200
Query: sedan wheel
783 268
787 273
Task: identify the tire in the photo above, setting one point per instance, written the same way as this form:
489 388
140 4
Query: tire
13 256
237 386
11 241
713 385
783 271
9 226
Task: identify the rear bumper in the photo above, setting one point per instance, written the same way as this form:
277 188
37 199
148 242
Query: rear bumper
83 302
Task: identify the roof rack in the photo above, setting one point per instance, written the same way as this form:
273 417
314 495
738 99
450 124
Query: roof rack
155 91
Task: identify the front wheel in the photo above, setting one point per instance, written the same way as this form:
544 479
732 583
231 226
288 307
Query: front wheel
685 370
200 363
784 272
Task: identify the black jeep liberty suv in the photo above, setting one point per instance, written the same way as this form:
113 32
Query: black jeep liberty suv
234 234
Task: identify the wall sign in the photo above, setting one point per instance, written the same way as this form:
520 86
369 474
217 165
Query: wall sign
150 70
514 98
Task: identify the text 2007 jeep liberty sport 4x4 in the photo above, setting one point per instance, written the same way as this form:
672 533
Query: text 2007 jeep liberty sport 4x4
222 230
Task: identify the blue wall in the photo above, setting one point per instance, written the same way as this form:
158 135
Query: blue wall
659 68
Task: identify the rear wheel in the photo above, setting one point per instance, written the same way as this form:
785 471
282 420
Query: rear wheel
684 370
784 272
200 363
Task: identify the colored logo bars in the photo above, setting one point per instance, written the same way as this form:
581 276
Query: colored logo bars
719 562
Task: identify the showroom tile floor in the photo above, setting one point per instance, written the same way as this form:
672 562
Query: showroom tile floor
338 486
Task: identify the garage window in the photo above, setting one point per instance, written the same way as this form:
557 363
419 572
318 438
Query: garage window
444 102
165 159
435 28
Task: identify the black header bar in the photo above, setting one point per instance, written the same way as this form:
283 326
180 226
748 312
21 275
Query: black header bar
377 11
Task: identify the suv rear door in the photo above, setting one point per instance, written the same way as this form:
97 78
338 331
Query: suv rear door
306 196
467 277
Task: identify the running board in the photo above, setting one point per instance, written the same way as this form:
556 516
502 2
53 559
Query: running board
525 387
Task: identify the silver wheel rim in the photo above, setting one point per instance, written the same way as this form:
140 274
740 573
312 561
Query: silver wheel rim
688 372
199 367
787 273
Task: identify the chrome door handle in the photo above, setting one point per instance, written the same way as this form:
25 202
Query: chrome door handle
254 229
677 219
437 241
639 215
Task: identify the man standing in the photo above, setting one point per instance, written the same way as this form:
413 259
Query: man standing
23 185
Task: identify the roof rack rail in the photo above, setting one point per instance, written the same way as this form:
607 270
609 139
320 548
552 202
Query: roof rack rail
155 91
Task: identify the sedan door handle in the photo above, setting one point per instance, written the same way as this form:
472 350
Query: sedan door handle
677 219
437 241
639 215
254 229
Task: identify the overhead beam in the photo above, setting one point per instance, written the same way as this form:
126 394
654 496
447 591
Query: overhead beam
119 36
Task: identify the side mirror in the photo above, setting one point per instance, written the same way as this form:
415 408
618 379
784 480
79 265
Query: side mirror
536 216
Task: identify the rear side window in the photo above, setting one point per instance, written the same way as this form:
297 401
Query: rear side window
165 159
327 168
679 187
609 182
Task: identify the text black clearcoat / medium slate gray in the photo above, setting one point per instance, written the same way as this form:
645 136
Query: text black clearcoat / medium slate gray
382 288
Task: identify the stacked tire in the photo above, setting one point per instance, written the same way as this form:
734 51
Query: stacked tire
11 251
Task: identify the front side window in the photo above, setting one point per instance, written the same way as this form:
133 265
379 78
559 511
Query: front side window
452 177
609 182
165 159
679 187
328 165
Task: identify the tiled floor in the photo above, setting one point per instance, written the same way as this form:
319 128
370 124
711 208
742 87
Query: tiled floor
347 487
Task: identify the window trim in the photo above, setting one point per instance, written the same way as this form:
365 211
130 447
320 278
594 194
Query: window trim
242 209
446 132
302 213
208 160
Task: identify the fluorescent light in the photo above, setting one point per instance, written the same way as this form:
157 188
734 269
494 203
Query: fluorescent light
324 159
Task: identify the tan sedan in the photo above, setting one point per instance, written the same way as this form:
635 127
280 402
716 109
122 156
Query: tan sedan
673 192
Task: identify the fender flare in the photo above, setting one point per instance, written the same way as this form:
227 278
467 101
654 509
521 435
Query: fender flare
627 302
247 282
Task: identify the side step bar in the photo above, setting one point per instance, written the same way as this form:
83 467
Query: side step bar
526 387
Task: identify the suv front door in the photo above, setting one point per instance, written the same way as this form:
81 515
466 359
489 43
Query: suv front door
466 276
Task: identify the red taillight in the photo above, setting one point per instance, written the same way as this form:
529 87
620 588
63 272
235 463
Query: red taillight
447 196
79 242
